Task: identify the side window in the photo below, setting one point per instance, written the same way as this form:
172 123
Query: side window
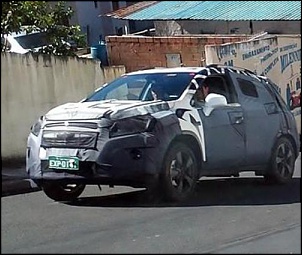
218 85
247 88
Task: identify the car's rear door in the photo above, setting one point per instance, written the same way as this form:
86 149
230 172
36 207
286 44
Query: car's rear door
262 117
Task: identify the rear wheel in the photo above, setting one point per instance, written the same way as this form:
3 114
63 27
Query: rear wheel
180 173
282 163
63 192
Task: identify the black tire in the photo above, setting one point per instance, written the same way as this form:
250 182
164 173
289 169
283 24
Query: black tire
179 173
63 192
282 163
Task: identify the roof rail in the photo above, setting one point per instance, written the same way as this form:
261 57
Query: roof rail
235 69
231 67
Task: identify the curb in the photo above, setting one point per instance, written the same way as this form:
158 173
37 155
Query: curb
15 181
16 186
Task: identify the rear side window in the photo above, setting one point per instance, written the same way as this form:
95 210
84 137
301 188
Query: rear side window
247 88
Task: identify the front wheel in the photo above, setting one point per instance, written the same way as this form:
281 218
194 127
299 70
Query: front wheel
63 192
282 163
179 176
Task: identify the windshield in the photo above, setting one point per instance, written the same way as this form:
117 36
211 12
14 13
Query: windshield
32 41
144 87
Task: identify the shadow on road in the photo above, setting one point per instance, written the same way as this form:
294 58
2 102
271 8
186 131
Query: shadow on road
213 192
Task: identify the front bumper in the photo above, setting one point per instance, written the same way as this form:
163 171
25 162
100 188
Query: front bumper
125 159
121 160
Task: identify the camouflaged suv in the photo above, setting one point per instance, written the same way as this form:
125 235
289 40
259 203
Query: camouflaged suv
142 130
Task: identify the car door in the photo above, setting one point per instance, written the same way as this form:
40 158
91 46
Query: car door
224 129
224 135
262 117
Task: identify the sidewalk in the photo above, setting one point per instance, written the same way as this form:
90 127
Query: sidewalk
15 181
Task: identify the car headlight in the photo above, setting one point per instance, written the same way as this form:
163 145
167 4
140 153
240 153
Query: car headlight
132 125
35 128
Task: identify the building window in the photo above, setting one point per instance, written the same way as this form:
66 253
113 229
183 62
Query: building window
115 5
128 3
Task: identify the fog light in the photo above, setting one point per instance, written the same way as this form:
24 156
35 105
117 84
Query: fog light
136 154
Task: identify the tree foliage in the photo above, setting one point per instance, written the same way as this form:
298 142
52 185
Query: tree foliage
43 16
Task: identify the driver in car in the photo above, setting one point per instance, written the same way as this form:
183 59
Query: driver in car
200 95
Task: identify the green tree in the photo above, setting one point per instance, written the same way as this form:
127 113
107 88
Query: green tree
52 19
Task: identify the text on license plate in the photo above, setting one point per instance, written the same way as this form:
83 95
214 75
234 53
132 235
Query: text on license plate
67 163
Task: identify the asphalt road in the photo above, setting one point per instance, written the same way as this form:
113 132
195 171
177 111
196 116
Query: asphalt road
225 215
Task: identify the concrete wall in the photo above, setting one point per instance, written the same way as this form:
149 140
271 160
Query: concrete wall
141 52
32 84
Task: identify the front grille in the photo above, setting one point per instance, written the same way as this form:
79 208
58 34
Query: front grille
69 139
91 125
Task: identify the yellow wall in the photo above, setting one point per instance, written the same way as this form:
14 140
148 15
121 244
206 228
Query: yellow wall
32 84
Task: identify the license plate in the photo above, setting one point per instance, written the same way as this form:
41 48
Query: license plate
66 163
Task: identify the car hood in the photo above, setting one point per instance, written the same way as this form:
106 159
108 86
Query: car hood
112 109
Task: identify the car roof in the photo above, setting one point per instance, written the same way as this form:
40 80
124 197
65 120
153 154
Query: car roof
168 70
203 71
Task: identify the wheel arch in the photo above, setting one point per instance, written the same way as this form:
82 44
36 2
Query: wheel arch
192 142
281 171
292 141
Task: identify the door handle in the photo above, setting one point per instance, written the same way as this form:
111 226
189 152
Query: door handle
239 120
236 117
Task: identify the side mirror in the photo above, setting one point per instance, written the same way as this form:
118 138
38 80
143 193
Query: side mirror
213 101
